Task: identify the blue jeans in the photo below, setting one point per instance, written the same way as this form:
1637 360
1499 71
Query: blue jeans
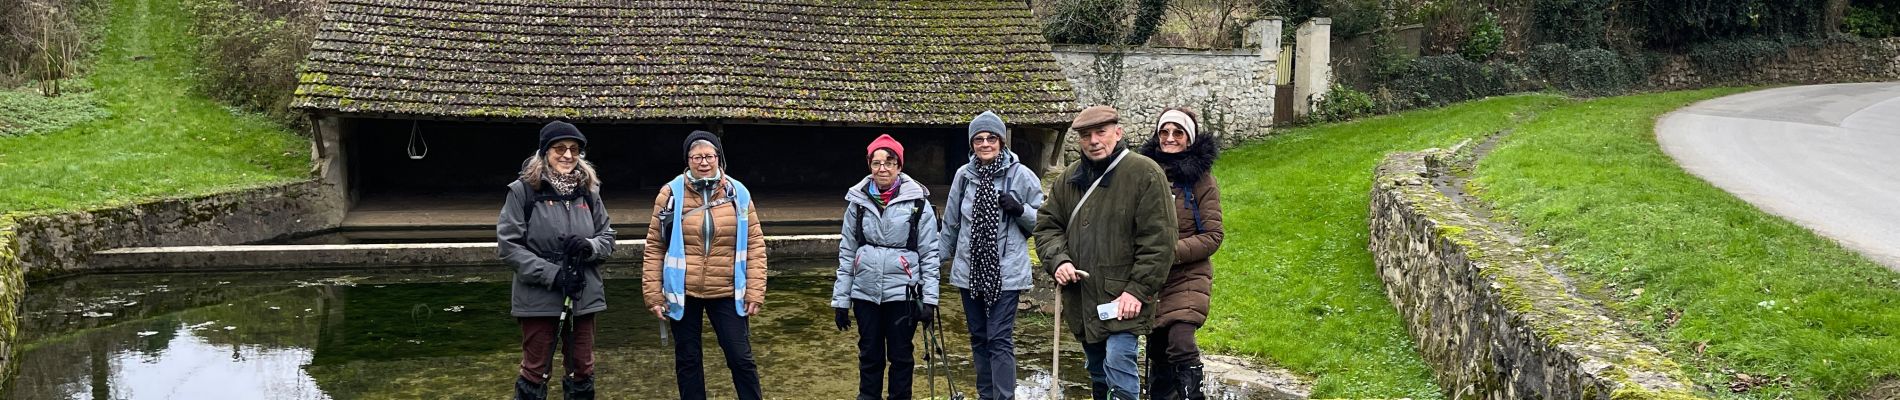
993 343
1113 362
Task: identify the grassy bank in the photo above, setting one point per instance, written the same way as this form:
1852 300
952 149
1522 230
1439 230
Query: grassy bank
161 139
1746 300
1294 283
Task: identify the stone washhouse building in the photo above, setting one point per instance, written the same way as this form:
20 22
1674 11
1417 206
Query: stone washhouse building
424 109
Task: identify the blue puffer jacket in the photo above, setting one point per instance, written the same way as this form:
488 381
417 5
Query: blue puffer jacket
1018 181
880 270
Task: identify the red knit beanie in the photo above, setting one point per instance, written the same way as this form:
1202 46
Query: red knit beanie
885 142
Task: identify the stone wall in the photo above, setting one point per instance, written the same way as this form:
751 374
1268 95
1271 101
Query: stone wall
1231 89
1492 320
59 244
1835 62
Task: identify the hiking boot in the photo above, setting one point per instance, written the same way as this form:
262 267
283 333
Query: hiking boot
528 390
582 389
1162 381
1188 378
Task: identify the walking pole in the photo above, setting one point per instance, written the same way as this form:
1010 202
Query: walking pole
949 378
1055 346
567 306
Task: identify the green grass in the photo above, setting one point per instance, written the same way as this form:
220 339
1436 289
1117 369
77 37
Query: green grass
1767 297
160 140
1294 283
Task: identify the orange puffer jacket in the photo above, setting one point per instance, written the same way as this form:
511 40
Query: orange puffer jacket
708 269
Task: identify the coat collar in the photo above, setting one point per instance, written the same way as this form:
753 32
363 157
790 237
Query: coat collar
1085 171
907 189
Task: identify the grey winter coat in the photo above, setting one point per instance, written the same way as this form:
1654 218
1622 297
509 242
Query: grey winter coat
880 270
531 245
1013 241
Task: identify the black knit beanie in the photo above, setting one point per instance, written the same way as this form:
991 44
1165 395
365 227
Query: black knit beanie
719 149
557 130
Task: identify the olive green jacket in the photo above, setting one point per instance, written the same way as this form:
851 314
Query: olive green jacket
1123 237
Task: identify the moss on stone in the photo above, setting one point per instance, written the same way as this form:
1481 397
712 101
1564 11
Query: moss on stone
1534 299
12 291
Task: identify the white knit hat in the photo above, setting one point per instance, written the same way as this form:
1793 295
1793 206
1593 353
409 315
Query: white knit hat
1178 118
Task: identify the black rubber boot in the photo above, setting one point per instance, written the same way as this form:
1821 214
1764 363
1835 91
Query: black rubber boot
577 390
1120 395
1099 390
1162 382
1189 379
526 390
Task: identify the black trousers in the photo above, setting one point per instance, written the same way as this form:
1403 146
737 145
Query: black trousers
885 333
688 360
1169 347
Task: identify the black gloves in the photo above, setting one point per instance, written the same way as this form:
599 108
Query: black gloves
570 281
844 318
578 248
928 315
1011 207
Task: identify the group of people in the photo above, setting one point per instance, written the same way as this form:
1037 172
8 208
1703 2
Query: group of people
1126 234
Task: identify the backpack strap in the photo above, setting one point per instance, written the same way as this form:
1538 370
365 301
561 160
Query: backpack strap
1187 191
860 233
916 216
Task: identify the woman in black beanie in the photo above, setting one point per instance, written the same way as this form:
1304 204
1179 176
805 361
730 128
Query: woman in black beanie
554 232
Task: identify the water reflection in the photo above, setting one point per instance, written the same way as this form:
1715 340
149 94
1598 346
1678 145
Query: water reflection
426 333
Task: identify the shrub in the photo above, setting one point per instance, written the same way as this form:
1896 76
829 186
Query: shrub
1342 103
1486 37
1599 72
1731 59
1587 72
249 50
1874 19
1444 79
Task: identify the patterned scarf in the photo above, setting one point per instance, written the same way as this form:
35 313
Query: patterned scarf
564 184
986 272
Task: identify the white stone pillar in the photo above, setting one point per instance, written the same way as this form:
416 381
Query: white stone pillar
1266 34
1312 64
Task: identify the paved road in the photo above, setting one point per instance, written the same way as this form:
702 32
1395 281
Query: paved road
1826 157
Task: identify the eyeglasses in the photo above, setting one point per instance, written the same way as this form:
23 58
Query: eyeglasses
1170 132
702 159
885 164
986 138
573 150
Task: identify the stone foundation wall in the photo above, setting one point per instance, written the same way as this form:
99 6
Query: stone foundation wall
59 244
1835 62
1491 320
1231 89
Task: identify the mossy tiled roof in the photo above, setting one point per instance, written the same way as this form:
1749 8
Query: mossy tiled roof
786 61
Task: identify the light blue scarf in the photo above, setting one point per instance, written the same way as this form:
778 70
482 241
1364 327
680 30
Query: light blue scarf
673 270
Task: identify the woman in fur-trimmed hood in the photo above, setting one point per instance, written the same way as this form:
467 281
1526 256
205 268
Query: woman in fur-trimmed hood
1187 154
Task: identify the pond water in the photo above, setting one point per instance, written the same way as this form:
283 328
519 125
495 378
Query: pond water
425 333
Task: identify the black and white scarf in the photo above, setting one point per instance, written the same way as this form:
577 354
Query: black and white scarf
563 184
986 271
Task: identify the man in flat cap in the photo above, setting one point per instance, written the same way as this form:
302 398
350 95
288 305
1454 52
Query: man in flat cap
1111 215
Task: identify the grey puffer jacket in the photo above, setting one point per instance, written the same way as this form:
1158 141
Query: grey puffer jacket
1012 239
880 270
531 244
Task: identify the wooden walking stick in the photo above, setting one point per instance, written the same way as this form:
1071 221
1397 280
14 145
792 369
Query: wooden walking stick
1055 345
